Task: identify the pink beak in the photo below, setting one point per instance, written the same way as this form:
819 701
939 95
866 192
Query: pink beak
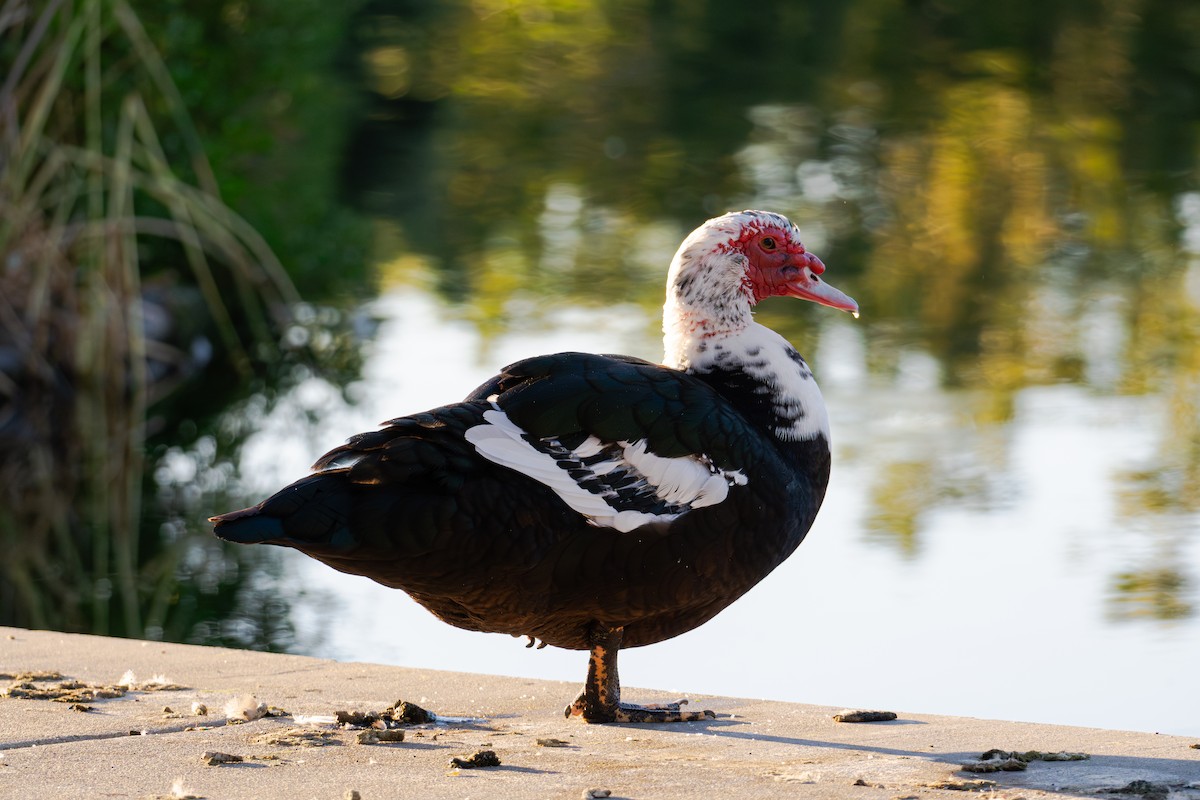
810 287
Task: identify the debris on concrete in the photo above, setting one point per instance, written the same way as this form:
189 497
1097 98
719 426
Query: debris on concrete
996 765
213 757
377 735
390 735
157 683
410 713
398 713
962 786
246 708
314 719
66 691
484 758
864 716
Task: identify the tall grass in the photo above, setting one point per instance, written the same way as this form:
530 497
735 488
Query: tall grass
86 192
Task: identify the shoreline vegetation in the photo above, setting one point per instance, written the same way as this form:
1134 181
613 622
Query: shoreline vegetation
123 277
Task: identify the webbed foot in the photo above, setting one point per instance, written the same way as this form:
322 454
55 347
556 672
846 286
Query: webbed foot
630 712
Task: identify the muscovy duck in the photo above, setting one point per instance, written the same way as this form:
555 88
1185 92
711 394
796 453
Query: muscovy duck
594 502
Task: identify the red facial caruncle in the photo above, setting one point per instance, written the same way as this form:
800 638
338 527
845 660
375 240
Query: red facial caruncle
779 265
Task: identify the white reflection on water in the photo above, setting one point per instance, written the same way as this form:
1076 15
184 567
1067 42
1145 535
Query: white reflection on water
1000 608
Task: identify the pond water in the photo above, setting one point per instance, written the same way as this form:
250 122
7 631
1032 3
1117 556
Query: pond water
1005 600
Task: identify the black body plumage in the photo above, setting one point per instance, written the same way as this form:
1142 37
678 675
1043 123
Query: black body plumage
415 507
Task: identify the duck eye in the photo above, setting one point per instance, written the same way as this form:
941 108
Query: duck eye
768 243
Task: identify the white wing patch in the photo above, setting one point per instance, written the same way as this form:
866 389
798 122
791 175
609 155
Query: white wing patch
619 485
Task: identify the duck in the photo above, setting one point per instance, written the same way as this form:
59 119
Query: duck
595 502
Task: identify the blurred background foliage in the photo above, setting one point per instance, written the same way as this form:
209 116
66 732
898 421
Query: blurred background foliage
262 86
1010 188
136 303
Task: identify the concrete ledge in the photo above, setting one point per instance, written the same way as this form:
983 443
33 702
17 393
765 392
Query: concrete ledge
129 747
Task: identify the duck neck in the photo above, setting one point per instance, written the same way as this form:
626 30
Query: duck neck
699 311
709 331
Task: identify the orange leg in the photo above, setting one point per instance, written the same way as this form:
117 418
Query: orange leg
600 700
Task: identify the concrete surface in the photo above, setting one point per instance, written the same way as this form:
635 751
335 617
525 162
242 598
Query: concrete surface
129 746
